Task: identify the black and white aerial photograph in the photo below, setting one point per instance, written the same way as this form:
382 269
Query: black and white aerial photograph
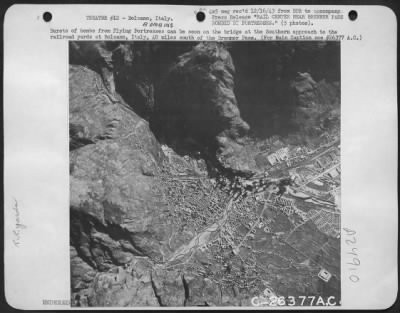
205 173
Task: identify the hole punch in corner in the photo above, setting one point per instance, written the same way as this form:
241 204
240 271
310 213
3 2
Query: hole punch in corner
47 17
200 16
353 15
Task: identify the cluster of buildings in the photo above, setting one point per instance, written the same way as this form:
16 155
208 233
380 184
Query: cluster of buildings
327 222
286 205
334 173
193 201
331 156
278 156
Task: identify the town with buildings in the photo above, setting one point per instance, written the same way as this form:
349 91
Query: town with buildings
286 238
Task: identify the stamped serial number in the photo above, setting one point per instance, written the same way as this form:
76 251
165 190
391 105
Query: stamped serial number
293 301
